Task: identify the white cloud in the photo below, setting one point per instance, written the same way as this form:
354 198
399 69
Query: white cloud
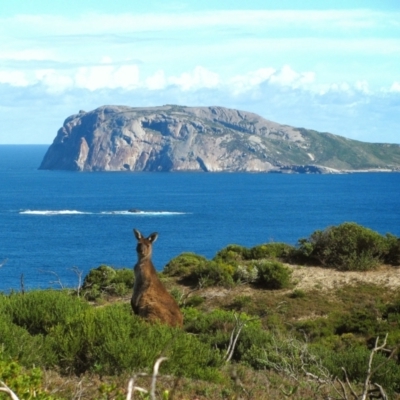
362 86
395 87
107 76
54 81
91 78
284 77
199 78
288 77
156 81
14 78
245 82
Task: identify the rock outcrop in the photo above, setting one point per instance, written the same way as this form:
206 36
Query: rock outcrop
177 138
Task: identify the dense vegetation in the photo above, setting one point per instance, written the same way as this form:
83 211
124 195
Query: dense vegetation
248 331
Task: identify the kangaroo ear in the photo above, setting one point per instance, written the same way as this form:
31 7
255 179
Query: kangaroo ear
153 237
137 234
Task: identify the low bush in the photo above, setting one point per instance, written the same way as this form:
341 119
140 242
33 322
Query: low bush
270 250
25 383
109 340
215 329
183 265
197 270
246 273
194 301
273 275
392 255
232 253
347 247
40 310
106 280
214 273
106 340
354 360
361 321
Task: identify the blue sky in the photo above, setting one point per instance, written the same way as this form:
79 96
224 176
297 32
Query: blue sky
332 66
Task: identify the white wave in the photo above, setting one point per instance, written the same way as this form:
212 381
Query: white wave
143 212
76 212
53 212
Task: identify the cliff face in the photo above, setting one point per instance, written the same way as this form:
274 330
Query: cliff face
174 138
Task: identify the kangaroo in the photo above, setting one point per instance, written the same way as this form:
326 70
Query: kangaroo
150 299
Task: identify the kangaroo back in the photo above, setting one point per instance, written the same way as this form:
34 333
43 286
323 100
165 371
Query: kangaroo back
150 299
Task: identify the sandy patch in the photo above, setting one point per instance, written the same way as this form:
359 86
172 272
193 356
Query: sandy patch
308 278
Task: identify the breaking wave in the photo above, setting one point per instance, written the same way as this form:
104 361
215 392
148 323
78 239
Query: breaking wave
143 212
53 212
76 212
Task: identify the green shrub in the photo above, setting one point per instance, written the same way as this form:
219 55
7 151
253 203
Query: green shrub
109 340
270 250
232 253
25 383
359 321
40 310
18 344
214 273
215 329
273 275
392 255
106 280
317 328
355 360
194 301
347 247
183 265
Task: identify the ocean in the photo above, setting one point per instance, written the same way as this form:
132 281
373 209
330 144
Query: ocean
56 225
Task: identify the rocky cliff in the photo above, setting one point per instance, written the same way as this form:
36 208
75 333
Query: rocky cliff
176 138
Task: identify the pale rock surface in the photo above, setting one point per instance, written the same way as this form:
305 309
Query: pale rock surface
178 138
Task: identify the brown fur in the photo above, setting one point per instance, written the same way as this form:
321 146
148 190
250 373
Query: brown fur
150 299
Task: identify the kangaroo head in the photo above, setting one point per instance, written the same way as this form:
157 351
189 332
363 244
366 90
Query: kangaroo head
144 246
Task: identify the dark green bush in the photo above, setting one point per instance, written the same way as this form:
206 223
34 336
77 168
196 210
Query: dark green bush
273 275
183 265
106 280
392 255
360 321
347 247
355 360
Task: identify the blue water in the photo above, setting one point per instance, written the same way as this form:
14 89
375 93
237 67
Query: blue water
53 221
